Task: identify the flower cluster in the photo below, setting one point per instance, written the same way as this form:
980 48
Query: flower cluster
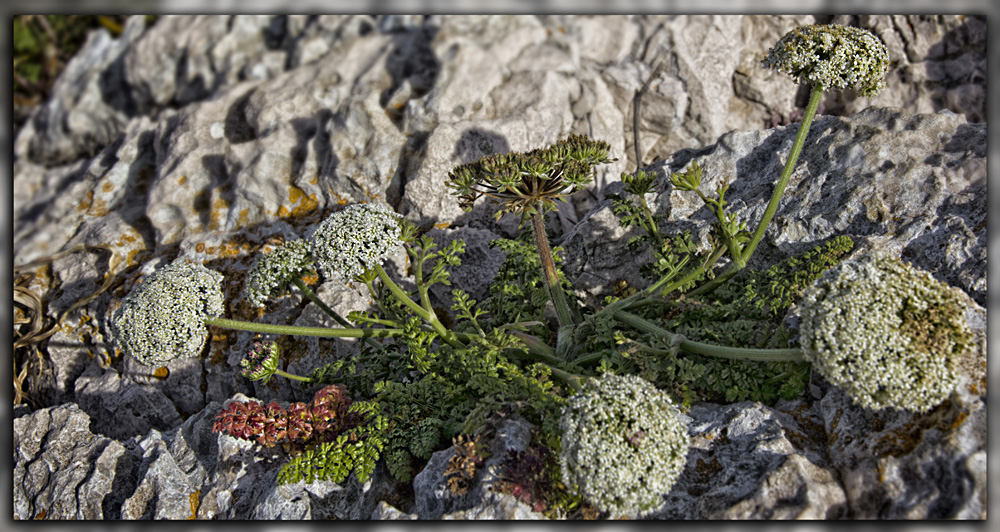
886 333
357 237
623 444
272 272
164 318
833 56
260 362
299 425
525 182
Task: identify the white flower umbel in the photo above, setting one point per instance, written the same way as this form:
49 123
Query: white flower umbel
833 56
164 318
623 444
356 238
272 272
887 334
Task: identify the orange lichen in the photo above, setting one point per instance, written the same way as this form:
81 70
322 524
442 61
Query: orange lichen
243 218
903 440
200 248
98 209
183 179
218 212
108 186
442 225
195 500
87 200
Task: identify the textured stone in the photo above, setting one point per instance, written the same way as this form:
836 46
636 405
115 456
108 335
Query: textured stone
743 464
433 499
89 103
913 184
61 469
213 136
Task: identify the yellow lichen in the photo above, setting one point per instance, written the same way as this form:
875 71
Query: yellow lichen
195 500
85 204
218 212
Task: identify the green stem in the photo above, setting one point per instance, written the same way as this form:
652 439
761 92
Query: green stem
294 330
330 312
537 348
653 229
772 206
570 379
547 357
426 315
726 275
691 346
786 173
291 376
549 273
425 299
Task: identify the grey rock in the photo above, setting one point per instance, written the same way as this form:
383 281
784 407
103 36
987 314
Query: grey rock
386 512
912 184
61 469
745 462
88 107
434 500
121 406
480 263
211 136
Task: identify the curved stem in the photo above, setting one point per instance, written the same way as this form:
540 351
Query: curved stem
427 316
786 173
292 376
691 346
570 379
549 273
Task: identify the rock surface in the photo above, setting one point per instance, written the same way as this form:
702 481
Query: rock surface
251 128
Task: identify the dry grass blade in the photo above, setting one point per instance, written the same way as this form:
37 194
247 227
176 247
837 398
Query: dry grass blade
33 308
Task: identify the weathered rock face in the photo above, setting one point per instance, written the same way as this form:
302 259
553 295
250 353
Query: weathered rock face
910 184
218 137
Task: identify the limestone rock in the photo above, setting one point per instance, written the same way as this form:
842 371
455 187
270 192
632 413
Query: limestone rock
62 470
746 462
913 184
217 137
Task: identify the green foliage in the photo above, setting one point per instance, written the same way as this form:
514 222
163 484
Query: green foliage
746 312
518 292
354 451
674 255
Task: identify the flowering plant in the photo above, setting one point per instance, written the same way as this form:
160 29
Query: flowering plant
598 381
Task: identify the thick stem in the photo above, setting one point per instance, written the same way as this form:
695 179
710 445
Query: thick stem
549 273
691 346
786 173
293 330
427 316
772 206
